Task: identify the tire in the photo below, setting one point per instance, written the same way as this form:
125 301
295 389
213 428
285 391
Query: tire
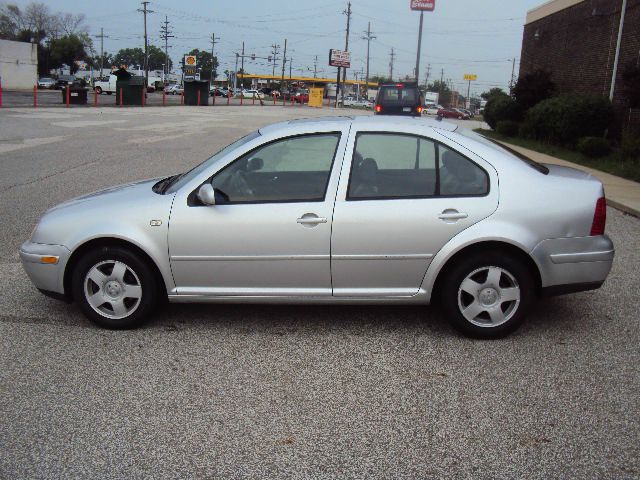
99 90
494 290
109 93
123 287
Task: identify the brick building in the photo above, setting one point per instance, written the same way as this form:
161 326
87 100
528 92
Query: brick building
575 40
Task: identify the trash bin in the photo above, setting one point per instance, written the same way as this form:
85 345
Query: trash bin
77 95
132 90
191 89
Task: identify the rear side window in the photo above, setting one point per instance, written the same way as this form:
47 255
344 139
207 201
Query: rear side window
399 95
388 166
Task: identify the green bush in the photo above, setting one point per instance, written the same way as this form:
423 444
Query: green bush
501 108
630 146
508 128
593 147
567 118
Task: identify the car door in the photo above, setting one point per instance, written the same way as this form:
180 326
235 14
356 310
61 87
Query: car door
269 233
401 197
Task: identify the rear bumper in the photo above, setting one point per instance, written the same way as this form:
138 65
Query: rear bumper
573 264
45 276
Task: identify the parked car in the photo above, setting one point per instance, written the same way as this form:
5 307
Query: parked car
252 94
175 89
356 102
452 113
218 92
46 82
348 209
270 92
468 112
399 99
432 109
64 80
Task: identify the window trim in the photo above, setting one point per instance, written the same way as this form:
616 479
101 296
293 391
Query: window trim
437 194
192 199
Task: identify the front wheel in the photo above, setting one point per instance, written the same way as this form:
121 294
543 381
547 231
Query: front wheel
114 287
487 295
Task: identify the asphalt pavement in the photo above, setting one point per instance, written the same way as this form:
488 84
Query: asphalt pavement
250 391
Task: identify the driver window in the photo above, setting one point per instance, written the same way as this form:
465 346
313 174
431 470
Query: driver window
288 170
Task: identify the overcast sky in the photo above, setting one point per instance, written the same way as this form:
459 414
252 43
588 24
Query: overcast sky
461 36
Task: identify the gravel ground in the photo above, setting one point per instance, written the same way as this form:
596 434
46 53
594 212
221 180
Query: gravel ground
249 391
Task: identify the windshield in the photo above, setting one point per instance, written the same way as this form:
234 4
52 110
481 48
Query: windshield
185 178
497 145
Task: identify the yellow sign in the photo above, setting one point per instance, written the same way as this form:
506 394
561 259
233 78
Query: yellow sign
315 97
189 60
470 77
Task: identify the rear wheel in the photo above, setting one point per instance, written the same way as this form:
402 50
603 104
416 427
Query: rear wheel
98 90
114 287
487 295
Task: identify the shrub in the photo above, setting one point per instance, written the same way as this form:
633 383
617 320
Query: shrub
532 88
501 108
508 128
593 147
630 146
566 118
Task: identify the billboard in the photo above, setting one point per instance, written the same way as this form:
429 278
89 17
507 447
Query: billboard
339 58
470 77
424 5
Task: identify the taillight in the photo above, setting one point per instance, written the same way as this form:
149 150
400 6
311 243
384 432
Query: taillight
378 108
419 109
599 217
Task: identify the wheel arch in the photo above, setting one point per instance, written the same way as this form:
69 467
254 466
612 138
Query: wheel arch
486 246
94 243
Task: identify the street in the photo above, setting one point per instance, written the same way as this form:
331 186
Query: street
253 391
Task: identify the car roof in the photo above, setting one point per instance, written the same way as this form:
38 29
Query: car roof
377 121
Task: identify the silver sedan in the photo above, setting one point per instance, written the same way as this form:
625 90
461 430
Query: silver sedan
334 210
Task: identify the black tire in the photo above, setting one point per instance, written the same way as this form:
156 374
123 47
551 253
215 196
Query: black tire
138 275
109 93
453 298
98 90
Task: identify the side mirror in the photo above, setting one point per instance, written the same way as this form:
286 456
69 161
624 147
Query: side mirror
207 194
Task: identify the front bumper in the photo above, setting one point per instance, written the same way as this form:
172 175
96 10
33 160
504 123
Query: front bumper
45 276
574 264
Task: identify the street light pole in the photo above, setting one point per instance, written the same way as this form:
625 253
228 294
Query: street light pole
419 46
617 58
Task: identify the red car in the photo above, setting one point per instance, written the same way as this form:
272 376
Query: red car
301 96
452 113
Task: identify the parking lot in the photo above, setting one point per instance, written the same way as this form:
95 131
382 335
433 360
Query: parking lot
250 391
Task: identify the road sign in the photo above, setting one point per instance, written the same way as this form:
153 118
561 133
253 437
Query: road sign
424 5
339 58
470 77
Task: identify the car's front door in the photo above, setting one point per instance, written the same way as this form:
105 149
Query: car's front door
401 198
270 233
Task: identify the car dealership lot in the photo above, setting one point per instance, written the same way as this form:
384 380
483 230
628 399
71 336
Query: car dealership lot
282 391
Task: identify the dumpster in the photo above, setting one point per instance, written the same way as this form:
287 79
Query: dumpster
130 86
77 95
191 89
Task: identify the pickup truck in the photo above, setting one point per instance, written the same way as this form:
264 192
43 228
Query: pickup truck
109 86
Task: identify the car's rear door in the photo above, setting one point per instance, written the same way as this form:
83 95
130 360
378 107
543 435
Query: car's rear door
402 195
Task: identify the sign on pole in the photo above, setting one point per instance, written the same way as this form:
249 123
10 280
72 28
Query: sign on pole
424 5
190 70
470 77
339 58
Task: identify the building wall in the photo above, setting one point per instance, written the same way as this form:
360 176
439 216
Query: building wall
576 43
18 64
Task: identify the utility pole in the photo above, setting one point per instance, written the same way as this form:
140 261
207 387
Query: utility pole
315 67
165 34
145 10
213 44
513 71
235 74
347 12
242 67
419 46
274 52
368 37
617 57
284 62
426 77
290 65
102 36
440 86
393 57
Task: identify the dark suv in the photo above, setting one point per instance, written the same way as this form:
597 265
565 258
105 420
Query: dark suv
399 99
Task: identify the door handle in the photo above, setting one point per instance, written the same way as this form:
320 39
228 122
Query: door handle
311 220
451 214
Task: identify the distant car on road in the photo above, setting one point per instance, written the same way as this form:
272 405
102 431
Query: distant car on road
46 82
452 113
356 102
381 210
432 109
175 89
64 81
399 99
252 94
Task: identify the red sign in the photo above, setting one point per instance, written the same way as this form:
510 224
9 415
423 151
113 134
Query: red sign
424 5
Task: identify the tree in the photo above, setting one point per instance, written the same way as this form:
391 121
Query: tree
532 88
443 90
129 57
494 92
206 63
157 58
631 84
66 50
379 79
